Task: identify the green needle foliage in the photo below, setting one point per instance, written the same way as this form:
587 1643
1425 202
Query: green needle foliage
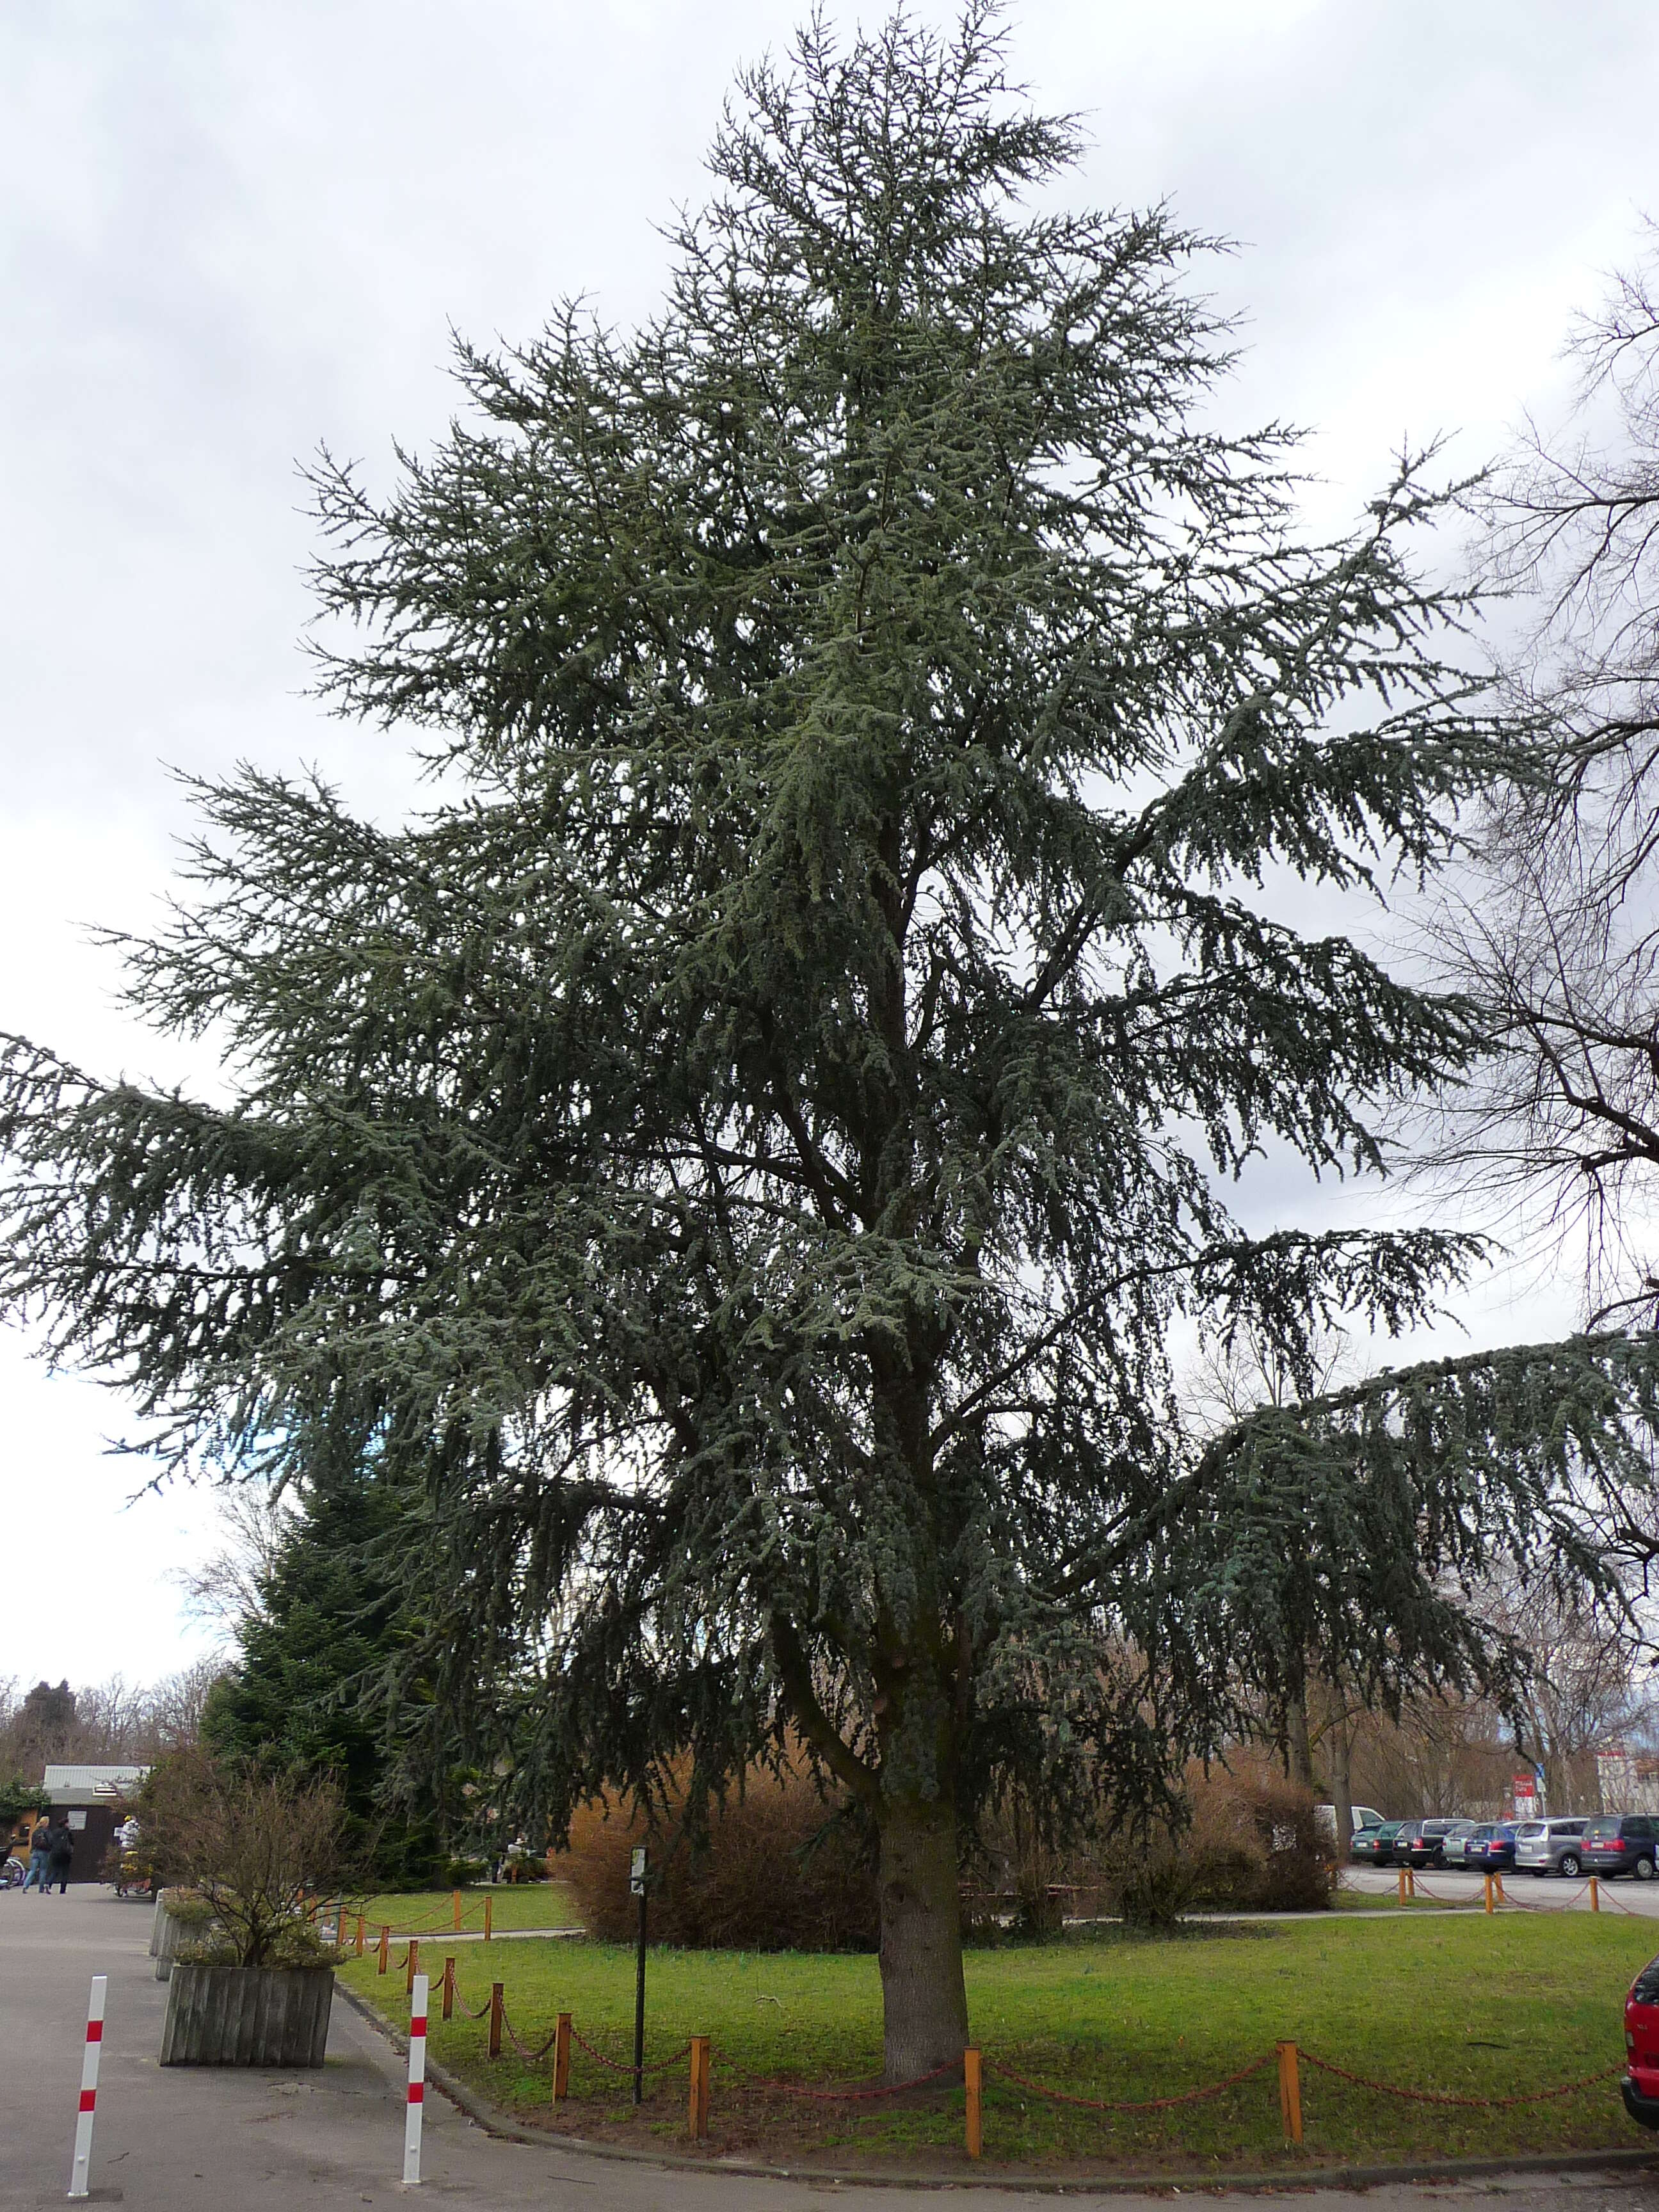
748 1148
333 1615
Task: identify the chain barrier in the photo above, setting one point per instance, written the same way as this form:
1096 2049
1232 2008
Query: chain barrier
1618 1904
1141 2104
1565 1906
1441 2096
445 1927
840 2096
529 2057
1459 1904
659 2066
1447 2097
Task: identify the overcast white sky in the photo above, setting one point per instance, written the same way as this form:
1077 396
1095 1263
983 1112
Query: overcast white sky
228 234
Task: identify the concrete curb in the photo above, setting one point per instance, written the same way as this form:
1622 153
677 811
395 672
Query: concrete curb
502 2126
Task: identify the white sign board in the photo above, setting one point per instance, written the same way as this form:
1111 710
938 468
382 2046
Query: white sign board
636 1874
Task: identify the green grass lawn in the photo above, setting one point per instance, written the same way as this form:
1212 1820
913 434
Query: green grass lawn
1479 2007
427 1912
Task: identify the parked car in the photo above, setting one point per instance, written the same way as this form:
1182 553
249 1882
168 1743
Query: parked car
1490 1849
1621 1843
1454 1850
1365 1816
1422 1843
1374 1846
1549 1847
1640 2086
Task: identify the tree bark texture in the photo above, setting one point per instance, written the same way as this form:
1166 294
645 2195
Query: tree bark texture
1298 1753
924 1998
1340 1763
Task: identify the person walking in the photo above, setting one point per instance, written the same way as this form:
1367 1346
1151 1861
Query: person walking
39 1845
60 1849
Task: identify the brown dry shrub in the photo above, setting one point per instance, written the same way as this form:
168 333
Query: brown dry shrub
252 1846
1252 1845
773 1875
1257 1846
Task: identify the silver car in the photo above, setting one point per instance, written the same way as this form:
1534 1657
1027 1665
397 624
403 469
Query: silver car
1457 1843
1549 1847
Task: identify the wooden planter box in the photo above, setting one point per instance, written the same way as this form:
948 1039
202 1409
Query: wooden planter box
247 2015
180 1919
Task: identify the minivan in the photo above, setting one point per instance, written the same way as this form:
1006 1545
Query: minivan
1621 1843
1549 1847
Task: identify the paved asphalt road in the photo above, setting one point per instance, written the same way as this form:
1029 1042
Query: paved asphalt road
185 2140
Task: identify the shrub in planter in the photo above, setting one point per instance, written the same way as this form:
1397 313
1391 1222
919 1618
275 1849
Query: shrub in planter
254 1987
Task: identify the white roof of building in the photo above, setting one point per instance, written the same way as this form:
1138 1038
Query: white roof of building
92 1781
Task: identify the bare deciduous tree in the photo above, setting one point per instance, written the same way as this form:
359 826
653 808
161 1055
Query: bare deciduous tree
112 1722
229 1585
1558 935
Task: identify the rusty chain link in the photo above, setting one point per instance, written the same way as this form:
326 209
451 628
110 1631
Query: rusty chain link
1141 2104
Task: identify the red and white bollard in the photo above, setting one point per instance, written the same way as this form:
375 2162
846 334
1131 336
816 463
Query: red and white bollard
94 2044
417 2081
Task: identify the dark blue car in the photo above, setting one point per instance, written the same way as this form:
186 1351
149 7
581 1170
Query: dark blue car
1490 1850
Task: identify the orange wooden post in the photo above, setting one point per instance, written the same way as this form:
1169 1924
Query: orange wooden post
490 1915
449 1987
1401 1879
1595 1894
495 2010
455 1906
972 2083
385 1954
697 2113
1489 1902
362 1923
411 1965
1498 1881
562 2059
1290 2092
1411 1881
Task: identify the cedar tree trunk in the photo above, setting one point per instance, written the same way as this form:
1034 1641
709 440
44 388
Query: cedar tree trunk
924 1998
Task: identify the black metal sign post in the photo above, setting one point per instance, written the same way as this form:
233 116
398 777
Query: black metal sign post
636 1883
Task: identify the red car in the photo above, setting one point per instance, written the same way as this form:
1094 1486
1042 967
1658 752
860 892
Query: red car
1640 2086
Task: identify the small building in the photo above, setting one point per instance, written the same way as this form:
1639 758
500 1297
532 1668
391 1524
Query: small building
1628 1780
93 1801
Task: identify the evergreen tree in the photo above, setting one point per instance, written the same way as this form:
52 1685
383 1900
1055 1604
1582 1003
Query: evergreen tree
748 1149
299 1699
